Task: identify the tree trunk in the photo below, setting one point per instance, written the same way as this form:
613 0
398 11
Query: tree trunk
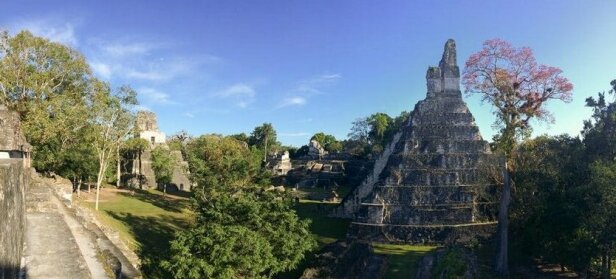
79 187
265 151
139 174
99 181
502 261
118 175
609 265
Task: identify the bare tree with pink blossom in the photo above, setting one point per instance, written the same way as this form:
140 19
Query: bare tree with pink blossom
518 88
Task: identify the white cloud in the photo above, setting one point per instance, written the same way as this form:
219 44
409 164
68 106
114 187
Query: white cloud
292 101
60 32
155 96
102 69
141 108
298 134
123 49
307 88
189 115
242 94
237 90
146 75
315 84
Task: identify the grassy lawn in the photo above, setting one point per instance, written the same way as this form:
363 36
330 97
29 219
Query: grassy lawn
145 220
403 259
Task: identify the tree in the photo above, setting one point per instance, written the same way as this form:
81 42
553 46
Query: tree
379 123
517 87
46 83
329 142
599 137
262 136
240 231
112 121
162 164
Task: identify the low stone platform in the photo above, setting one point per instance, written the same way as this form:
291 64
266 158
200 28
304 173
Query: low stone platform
421 234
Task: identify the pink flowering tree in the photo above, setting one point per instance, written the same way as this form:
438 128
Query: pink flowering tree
518 88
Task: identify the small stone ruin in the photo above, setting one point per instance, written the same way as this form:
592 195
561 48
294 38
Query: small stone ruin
141 170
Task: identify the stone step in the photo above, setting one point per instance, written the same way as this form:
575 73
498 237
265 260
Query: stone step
51 250
38 199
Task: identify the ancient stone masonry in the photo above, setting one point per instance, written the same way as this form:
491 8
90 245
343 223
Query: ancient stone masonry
147 127
427 185
14 179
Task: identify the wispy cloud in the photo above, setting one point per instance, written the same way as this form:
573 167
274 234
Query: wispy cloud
54 30
297 134
155 96
189 115
292 101
141 108
305 89
101 69
242 94
316 84
118 49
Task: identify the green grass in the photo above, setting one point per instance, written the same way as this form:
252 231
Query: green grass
326 230
146 222
403 258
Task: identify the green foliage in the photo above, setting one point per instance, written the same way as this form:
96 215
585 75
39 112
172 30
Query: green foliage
264 137
450 266
329 142
162 164
268 233
241 231
241 137
371 134
46 83
221 163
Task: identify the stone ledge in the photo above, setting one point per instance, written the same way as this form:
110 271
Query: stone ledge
421 234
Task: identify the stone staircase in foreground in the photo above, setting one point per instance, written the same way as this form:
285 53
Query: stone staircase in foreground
60 243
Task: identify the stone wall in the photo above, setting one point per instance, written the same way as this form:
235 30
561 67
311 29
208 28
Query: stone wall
13 182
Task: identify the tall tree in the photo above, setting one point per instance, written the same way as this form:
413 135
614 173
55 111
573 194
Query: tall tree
264 136
113 121
517 87
46 83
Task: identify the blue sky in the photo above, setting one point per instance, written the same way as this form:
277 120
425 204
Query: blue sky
309 66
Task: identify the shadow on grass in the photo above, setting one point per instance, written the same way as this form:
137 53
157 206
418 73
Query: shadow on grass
153 235
168 204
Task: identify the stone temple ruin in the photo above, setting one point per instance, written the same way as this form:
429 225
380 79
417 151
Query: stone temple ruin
426 187
147 128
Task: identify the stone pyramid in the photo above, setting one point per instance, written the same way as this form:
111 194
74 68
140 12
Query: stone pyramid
425 186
